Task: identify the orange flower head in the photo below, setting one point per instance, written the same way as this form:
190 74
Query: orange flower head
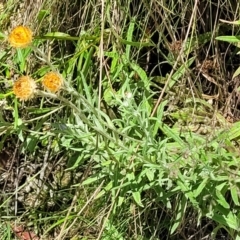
20 37
24 88
52 81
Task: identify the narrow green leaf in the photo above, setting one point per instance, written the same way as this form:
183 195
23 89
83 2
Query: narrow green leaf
170 133
105 190
150 174
158 120
92 179
78 161
40 111
58 36
234 194
232 133
21 60
137 198
15 113
120 201
180 213
236 73
142 74
42 14
200 187
229 220
230 39
129 37
231 22
237 237
188 193
221 200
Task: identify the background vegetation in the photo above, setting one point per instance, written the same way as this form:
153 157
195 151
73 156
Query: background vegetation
143 140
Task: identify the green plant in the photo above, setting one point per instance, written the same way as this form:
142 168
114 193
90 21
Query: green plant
233 40
135 144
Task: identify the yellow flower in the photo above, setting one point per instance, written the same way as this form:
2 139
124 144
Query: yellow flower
24 88
20 37
52 81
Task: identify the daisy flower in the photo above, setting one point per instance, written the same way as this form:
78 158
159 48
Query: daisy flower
52 82
24 88
20 37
